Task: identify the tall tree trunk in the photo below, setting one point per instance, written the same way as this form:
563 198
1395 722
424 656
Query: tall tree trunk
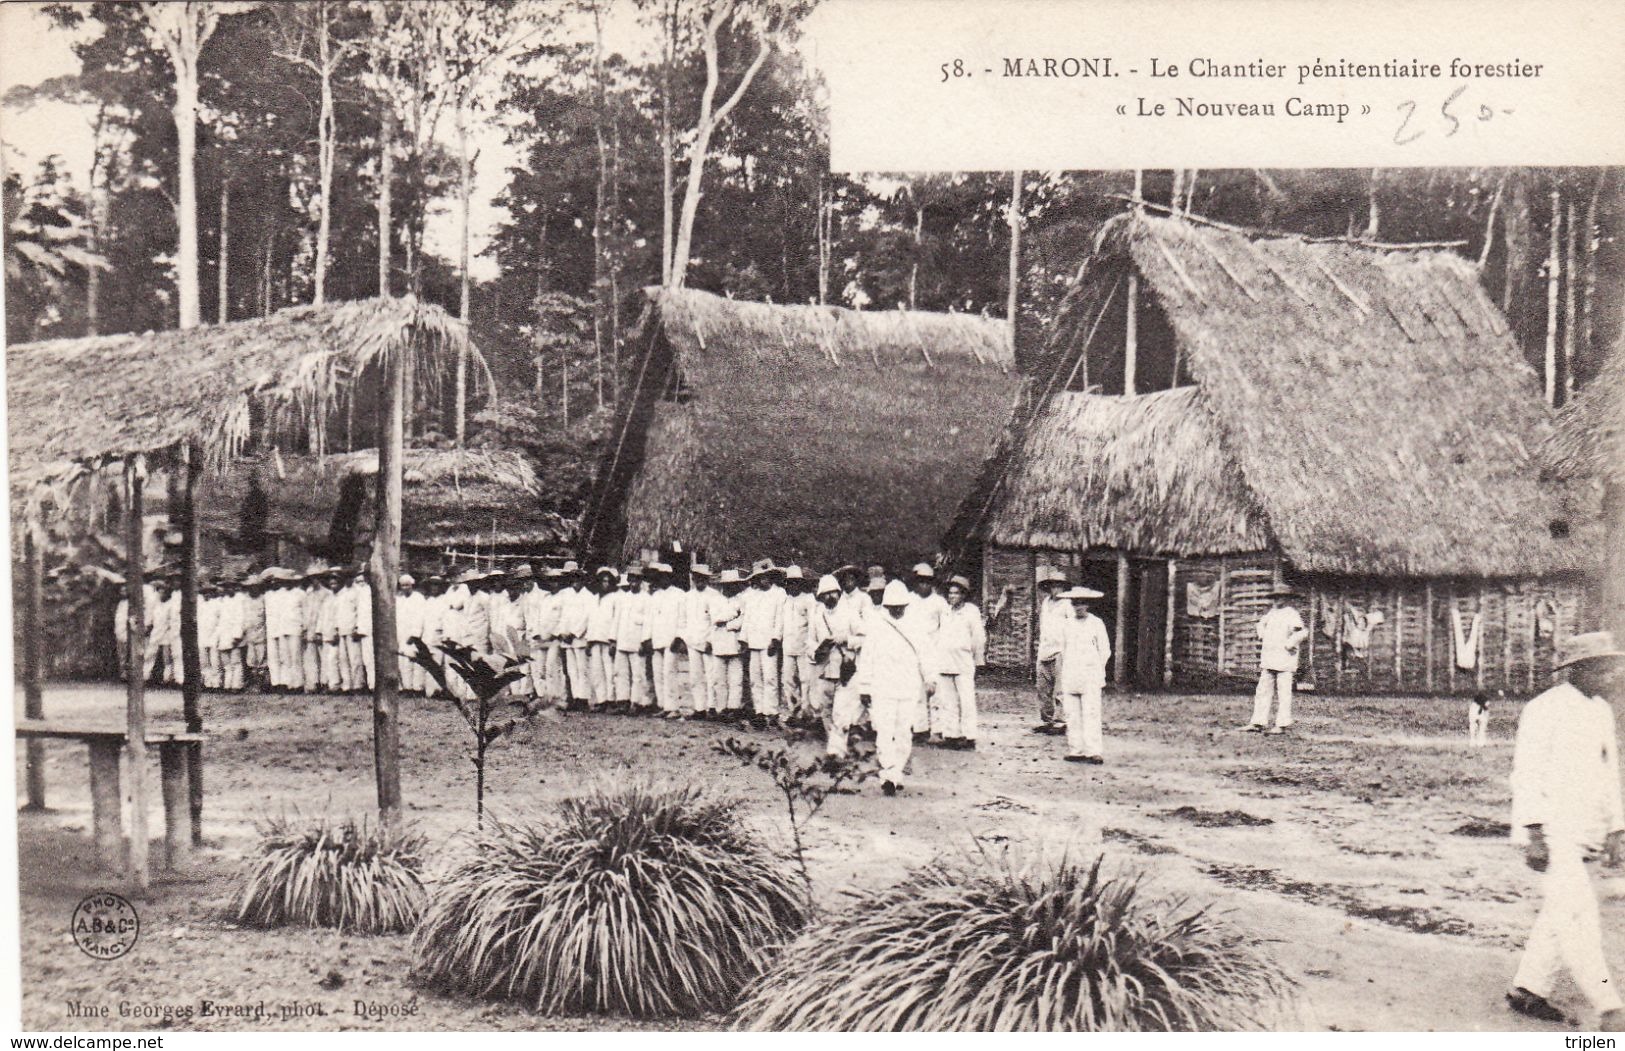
1518 237
667 57
324 149
135 703
186 256
823 239
600 195
1570 303
1373 215
1554 277
914 267
613 246
1588 290
465 191
386 191
1013 283
189 469
222 291
34 656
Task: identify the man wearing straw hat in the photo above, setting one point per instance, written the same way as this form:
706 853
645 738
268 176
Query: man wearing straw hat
231 634
763 632
1053 613
925 617
601 639
695 639
257 637
539 620
1080 676
359 641
897 672
666 613
1280 630
208 617
283 630
795 668
727 677
824 662
575 610
1566 812
436 616
632 693
961 647
411 606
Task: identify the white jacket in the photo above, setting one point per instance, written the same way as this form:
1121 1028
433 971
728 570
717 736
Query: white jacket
1565 769
1085 648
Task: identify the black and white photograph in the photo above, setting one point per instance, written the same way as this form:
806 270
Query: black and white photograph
505 536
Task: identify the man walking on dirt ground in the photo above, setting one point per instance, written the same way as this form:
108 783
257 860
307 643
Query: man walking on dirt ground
1566 809
1279 632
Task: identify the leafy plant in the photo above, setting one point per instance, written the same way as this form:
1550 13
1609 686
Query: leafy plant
486 682
638 901
350 876
985 947
805 786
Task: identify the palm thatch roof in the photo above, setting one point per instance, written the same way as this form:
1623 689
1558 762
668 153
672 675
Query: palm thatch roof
76 404
449 497
1371 400
1146 473
811 433
1589 441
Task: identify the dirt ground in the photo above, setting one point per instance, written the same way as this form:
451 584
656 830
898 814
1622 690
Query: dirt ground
1368 847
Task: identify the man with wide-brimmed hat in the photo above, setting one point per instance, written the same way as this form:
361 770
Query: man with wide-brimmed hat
576 601
208 616
257 634
538 620
763 633
666 613
230 634
633 695
1053 613
961 648
795 669
1280 632
824 662
695 638
311 603
896 672
358 643
728 676
284 629
1566 811
436 616
1080 676
601 637
411 605
925 617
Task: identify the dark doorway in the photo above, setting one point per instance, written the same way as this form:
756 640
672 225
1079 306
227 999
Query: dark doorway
1150 586
1099 571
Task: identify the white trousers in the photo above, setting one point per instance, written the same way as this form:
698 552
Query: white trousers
893 717
1567 934
728 684
1083 733
209 660
700 667
821 700
576 671
287 662
792 693
335 667
846 708
311 657
1478 725
670 687
632 678
1273 684
233 665
764 682
600 672
953 706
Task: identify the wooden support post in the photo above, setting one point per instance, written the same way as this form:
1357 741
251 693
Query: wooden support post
1554 277
1506 640
105 802
33 659
1399 638
1119 647
1224 597
1314 608
1131 341
1534 631
1478 657
384 570
1427 638
172 767
190 465
1168 628
135 470
1012 309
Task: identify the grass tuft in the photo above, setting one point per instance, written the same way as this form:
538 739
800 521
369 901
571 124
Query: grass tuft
986 948
636 901
350 876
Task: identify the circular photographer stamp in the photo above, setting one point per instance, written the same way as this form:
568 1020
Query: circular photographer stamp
105 926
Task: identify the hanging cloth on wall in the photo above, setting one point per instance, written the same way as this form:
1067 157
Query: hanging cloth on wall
1202 602
1545 619
1357 629
1326 613
1467 642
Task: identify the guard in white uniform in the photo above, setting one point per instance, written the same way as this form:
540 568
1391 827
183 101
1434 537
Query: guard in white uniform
925 616
763 634
896 674
1080 676
695 639
728 675
410 609
1280 630
1566 810
961 649
825 658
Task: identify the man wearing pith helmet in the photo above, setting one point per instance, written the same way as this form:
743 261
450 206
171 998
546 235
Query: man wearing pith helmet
897 672
1566 812
1053 612
1080 676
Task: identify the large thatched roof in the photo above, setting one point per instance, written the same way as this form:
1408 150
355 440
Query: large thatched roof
77 403
449 497
1371 400
1589 441
1144 473
800 432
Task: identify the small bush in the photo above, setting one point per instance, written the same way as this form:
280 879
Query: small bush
348 876
990 949
635 901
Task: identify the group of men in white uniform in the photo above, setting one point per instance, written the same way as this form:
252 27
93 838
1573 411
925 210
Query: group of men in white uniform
280 629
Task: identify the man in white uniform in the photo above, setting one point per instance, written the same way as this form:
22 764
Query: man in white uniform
1080 675
410 609
961 648
727 676
896 675
601 638
575 609
1053 612
763 633
230 635
1280 630
925 617
695 638
632 694
795 667
824 662
362 659
311 603
166 631
208 618
666 611
1565 811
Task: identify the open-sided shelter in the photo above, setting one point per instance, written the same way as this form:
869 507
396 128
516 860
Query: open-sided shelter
813 434
1218 411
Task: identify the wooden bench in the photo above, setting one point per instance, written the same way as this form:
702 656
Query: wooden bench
106 747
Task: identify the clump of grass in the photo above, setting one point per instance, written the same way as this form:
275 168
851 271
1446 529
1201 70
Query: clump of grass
346 875
986 948
635 901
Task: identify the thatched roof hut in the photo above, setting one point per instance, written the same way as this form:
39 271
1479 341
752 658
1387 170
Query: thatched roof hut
1589 441
75 404
485 497
1372 401
1355 419
811 433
